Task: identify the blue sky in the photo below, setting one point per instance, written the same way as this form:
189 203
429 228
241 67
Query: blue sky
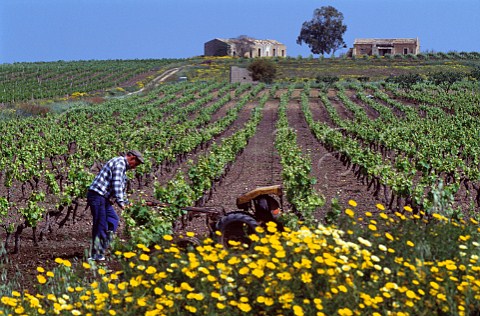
51 30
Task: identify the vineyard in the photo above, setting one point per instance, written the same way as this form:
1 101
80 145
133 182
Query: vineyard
368 145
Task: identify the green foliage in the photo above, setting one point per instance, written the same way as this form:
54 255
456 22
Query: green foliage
324 33
327 79
475 73
363 78
296 167
145 225
263 70
333 213
445 78
405 81
33 212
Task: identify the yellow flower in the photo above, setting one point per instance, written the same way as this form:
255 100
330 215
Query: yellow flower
40 269
244 307
151 270
383 215
167 237
349 212
389 236
41 279
284 276
141 301
442 297
186 286
345 312
298 310
143 247
411 244
352 203
196 296
410 294
258 273
364 242
191 309
306 277
451 267
380 207
144 257
244 270
129 255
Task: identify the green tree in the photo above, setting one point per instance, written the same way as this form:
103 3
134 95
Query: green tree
263 70
445 79
324 33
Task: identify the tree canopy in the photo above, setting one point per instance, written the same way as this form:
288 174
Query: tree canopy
324 33
263 70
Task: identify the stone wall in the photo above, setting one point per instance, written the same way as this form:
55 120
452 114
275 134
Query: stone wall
238 74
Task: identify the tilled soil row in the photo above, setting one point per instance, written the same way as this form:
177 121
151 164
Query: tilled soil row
258 165
334 179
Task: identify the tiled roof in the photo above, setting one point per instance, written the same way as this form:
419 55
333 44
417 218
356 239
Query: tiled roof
385 41
257 41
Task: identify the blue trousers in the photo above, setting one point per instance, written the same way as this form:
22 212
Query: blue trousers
105 222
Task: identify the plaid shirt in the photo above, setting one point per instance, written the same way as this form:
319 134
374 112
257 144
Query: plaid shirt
111 180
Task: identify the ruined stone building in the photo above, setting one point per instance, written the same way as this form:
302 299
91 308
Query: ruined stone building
382 47
256 48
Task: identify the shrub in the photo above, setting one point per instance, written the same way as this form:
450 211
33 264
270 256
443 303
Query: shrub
475 73
328 79
445 78
405 81
263 70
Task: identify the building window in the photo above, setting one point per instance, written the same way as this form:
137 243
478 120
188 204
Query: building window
274 51
405 51
283 53
259 52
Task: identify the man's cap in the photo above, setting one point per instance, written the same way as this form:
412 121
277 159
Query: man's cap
137 154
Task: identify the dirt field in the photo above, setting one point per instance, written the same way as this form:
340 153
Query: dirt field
258 165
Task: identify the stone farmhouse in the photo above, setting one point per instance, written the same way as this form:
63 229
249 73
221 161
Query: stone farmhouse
382 47
259 48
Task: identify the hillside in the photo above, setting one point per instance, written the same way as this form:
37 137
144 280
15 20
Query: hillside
46 83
